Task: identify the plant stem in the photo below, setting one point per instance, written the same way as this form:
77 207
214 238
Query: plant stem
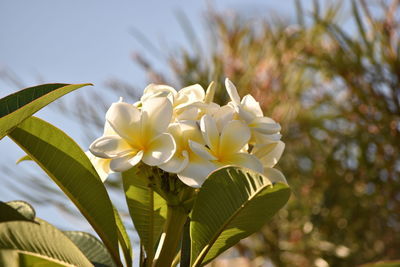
185 250
176 218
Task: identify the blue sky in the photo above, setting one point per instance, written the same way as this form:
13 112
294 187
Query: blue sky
90 41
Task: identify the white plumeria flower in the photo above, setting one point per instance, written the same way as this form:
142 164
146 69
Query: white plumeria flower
182 133
140 135
275 176
101 165
186 133
224 147
181 100
269 153
263 129
187 164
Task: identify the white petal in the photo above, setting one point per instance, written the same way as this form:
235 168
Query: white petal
201 150
108 130
109 147
210 132
175 130
261 150
188 112
193 93
246 160
210 108
261 138
176 164
245 115
191 131
126 162
251 105
196 172
158 90
265 126
272 158
184 131
223 115
156 116
101 165
275 176
232 91
160 150
234 136
210 92
124 118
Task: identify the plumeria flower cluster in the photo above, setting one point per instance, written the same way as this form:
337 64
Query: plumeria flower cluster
186 133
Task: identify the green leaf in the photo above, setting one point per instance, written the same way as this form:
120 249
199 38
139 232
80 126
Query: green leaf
15 108
147 208
29 260
11 212
41 238
64 161
14 258
123 238
9 258
232 204
23 158
24 208
91 247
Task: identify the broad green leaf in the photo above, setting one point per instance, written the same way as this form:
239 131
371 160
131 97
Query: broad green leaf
147 208
65 162
9 213
14 258
232 204
91 247
23 158
24 208
15 108
9 258
29 260
40 238
123 238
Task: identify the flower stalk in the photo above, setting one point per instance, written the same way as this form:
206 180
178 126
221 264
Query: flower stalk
171 236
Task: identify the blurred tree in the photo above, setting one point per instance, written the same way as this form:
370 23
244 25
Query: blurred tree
335 89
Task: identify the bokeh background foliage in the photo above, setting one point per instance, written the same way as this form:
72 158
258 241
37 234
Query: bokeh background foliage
334 85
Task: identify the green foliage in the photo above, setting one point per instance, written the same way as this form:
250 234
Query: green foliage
16 211
29 260
26 241
15 108
24 208
146 207
232 204
93 249
23 158
35 242
13 258
42 239
123 239
63 160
